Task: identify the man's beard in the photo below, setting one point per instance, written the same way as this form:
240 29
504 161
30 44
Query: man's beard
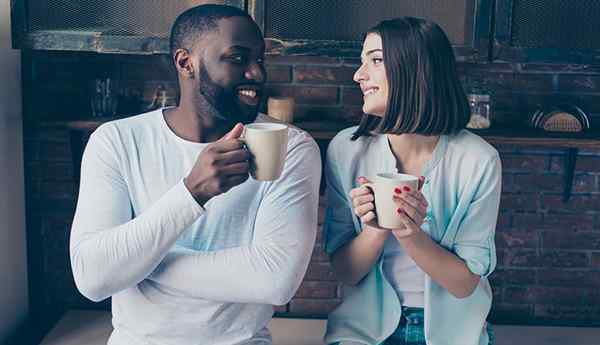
225 103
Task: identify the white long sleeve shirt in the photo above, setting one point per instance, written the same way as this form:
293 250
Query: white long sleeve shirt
179 273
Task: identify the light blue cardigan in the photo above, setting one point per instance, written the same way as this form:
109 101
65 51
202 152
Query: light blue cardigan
463 184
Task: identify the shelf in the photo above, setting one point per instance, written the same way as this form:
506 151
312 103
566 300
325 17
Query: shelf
326 130
95 41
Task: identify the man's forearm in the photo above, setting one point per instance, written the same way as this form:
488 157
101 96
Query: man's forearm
108 260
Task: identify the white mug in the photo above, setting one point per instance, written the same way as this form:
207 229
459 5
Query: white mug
267 142
383 186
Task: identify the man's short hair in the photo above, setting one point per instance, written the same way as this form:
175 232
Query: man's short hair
197 21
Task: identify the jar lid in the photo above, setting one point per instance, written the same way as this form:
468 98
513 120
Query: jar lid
478 97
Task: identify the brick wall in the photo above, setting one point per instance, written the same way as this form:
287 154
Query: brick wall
548 251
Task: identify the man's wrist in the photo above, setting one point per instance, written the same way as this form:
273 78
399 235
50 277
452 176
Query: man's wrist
199 199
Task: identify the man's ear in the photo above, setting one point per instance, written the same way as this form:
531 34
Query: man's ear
183 63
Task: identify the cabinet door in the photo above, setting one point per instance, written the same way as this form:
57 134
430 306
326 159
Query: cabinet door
336 27
562 31
105 26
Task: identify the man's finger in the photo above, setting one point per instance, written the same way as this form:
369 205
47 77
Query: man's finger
234 133
234 156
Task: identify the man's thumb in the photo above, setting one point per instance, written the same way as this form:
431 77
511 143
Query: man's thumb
234 133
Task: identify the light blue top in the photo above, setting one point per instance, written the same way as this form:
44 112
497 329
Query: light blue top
463 184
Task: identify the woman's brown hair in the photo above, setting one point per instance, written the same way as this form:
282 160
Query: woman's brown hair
425 95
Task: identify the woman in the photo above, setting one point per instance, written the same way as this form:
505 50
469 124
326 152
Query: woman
424 283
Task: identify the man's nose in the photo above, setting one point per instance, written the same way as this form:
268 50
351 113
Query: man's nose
255 72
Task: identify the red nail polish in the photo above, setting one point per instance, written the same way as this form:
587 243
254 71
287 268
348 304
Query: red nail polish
398 190
407 188
400 211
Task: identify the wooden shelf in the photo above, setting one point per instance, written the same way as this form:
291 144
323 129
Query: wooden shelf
326 130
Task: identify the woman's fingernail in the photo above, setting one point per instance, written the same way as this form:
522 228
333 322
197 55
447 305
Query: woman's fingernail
397 190
400 211
407 188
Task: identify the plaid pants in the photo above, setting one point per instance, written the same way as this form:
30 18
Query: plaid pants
411 330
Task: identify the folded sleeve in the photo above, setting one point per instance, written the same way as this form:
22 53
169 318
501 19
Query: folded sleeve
474 241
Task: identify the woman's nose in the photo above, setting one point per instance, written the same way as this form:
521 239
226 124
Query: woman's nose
360 74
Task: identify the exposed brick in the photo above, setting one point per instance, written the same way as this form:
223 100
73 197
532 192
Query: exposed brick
148 68
279 74
584 183
51 171
507 182
312 95
319 255
559 68
464 66
590 314
55 151
596 260
520 202
317 290
500 254
505 221
497 294
577 203
490 80
533 82
513 276
564 222
59 189
510 313
521 258
302 60
320 272
580 278
527 220
316 95
312 307
524 163
50 135
571 240
321 213
537 183
545 295
324 75
518 238
564 259
587 164
352 96
578 83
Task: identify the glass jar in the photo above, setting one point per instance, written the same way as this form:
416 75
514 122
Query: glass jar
480 105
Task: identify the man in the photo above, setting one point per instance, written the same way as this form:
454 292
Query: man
168 223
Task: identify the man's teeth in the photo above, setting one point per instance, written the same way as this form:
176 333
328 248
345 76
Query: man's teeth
248 93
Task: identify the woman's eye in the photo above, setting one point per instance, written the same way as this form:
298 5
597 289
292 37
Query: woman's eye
377 61
237 59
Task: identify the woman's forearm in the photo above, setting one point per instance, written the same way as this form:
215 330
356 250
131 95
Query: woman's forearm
353 261
444 267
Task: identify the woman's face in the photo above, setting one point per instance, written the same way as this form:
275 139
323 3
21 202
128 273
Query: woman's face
371 76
